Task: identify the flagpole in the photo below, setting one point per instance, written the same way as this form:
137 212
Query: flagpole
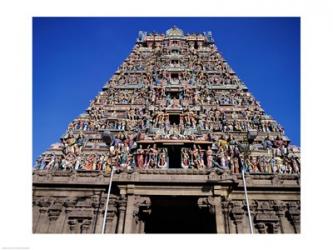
247 201
107 202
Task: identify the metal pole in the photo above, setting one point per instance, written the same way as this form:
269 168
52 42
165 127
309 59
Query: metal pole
247 202
107 202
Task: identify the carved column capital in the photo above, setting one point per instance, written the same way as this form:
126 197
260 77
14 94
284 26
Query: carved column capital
112 211
279 208
95 201
265 216
54 214
112 206
207 202
293 214
85 226
43 202
275 227
225 206
142 207
73 224
70 202
237 217
293 208
261 227
55 210
43 210
122 204
237 211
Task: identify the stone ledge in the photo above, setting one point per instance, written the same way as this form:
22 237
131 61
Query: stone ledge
177 176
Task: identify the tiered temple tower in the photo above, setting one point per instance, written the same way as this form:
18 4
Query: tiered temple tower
177 127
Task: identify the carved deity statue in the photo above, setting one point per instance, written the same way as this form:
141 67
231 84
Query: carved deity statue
209 156
140 157
185 158
162 161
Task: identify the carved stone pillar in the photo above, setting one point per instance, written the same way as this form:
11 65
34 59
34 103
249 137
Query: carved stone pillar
280 210
53 213
219 217
237 214
136 221
129 214
99 221
225 214
111 218
43 220
144 210
35 214
238 220
121 217
79 215
137 209
60 226
293 214
69 224
214 206
266 220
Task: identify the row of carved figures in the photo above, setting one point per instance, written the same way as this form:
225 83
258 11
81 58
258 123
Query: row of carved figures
121 158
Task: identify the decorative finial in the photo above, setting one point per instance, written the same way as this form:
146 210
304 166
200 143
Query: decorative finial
174 31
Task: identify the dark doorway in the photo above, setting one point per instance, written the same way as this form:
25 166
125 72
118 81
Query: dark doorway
174 153
174 119
175 94
179 214
174 76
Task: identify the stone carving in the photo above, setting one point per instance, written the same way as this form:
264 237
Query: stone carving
142 208
113 204
265 218
43 202
122 203
70 202
276 180
237 211
79 224
293 214
55 210
280 208
207 202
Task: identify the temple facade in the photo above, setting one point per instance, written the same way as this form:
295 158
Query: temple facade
184 144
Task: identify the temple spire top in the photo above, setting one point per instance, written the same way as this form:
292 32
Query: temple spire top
174 31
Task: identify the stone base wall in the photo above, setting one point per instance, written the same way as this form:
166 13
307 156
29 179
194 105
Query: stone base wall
72 202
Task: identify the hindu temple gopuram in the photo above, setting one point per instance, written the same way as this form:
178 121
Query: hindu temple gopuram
184 144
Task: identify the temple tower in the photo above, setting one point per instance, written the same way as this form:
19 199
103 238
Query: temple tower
177 127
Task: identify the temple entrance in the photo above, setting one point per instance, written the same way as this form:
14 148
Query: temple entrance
174 154
179 214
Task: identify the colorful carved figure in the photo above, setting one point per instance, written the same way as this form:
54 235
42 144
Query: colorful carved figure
162 161
209 157
185 158
140 157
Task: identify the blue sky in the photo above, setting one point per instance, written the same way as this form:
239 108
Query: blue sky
74 57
